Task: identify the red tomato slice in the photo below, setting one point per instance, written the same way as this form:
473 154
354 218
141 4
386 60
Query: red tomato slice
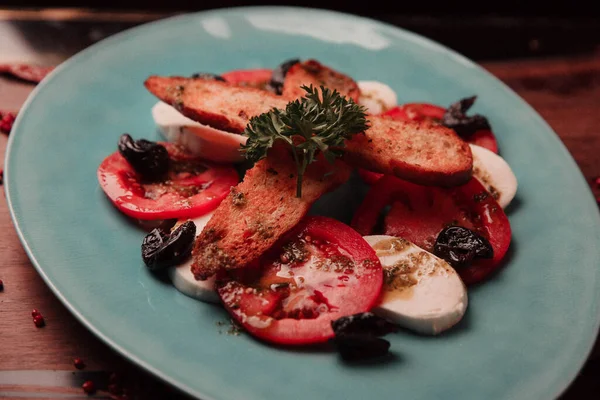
194 186
419 213
258 78
415 112
320 271
369 177
485 138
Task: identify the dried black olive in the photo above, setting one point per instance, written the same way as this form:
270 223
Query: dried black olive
455 118
149 159
208 75
361 347
278 75
363 323
459 246
161 249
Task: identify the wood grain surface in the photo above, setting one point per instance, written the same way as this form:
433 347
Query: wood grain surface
564 90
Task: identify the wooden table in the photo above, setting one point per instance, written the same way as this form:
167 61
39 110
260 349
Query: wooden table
565 90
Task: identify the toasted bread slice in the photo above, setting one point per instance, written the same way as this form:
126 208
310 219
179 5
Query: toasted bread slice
421 152
312 72
214 103
259 210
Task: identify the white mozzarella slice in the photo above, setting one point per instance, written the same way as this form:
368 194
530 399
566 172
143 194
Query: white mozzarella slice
184 280
421 292
377 97
202 140
495 174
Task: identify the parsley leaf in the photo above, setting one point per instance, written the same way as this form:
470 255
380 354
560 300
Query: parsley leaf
316 123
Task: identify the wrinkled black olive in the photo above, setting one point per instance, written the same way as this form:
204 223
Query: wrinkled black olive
208 75
460 246
149 159
455 118
161 249
361 347
365 323
278 75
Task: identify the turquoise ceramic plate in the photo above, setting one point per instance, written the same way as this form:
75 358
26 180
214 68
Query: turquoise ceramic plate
527 331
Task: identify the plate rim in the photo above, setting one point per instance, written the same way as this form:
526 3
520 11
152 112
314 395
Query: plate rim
585 346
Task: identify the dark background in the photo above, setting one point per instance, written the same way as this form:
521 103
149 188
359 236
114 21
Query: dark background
482 30
426 7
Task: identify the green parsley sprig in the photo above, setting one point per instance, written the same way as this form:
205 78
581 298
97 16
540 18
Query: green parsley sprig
312 124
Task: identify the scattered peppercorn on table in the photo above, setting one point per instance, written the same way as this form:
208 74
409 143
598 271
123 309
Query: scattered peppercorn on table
46 353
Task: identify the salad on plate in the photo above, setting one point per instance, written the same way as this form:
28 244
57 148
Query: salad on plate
249 153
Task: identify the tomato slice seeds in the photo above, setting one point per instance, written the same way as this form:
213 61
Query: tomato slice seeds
419 213
193 188
319 272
